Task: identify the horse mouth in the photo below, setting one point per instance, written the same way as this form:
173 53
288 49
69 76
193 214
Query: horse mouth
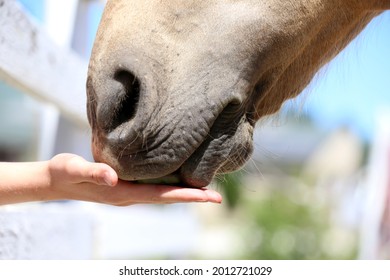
173 179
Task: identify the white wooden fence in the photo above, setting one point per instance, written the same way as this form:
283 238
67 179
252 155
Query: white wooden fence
38 61
33 63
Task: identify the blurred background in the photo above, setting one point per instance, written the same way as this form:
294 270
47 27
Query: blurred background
317 186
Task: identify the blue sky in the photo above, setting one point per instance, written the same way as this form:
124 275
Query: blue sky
349 91
356 84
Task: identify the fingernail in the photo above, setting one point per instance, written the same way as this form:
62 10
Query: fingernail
108 180
217 198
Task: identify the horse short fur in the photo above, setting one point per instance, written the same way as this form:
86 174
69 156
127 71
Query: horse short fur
175 87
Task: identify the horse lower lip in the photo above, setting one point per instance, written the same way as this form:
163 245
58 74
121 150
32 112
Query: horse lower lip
172 179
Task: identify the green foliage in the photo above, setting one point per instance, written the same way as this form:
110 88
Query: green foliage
287 230
283 220
230 185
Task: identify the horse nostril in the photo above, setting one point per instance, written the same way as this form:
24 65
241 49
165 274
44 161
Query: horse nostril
128 100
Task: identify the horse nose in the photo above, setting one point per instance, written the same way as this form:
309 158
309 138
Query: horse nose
119 102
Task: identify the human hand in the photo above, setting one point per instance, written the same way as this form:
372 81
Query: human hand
72 177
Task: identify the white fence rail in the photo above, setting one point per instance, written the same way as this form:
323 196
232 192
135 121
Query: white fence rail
31 62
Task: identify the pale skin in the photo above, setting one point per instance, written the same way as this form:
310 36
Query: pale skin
70 177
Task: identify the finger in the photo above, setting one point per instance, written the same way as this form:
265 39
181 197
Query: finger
138 193
189 195
91 172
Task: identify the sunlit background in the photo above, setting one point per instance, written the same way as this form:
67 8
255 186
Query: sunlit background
315 188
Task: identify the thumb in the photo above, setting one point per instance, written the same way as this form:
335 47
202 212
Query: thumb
100 173
91 172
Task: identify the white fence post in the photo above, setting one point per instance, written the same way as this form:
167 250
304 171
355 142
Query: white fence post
375 213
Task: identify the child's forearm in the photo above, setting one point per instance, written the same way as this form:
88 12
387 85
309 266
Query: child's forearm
23 182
